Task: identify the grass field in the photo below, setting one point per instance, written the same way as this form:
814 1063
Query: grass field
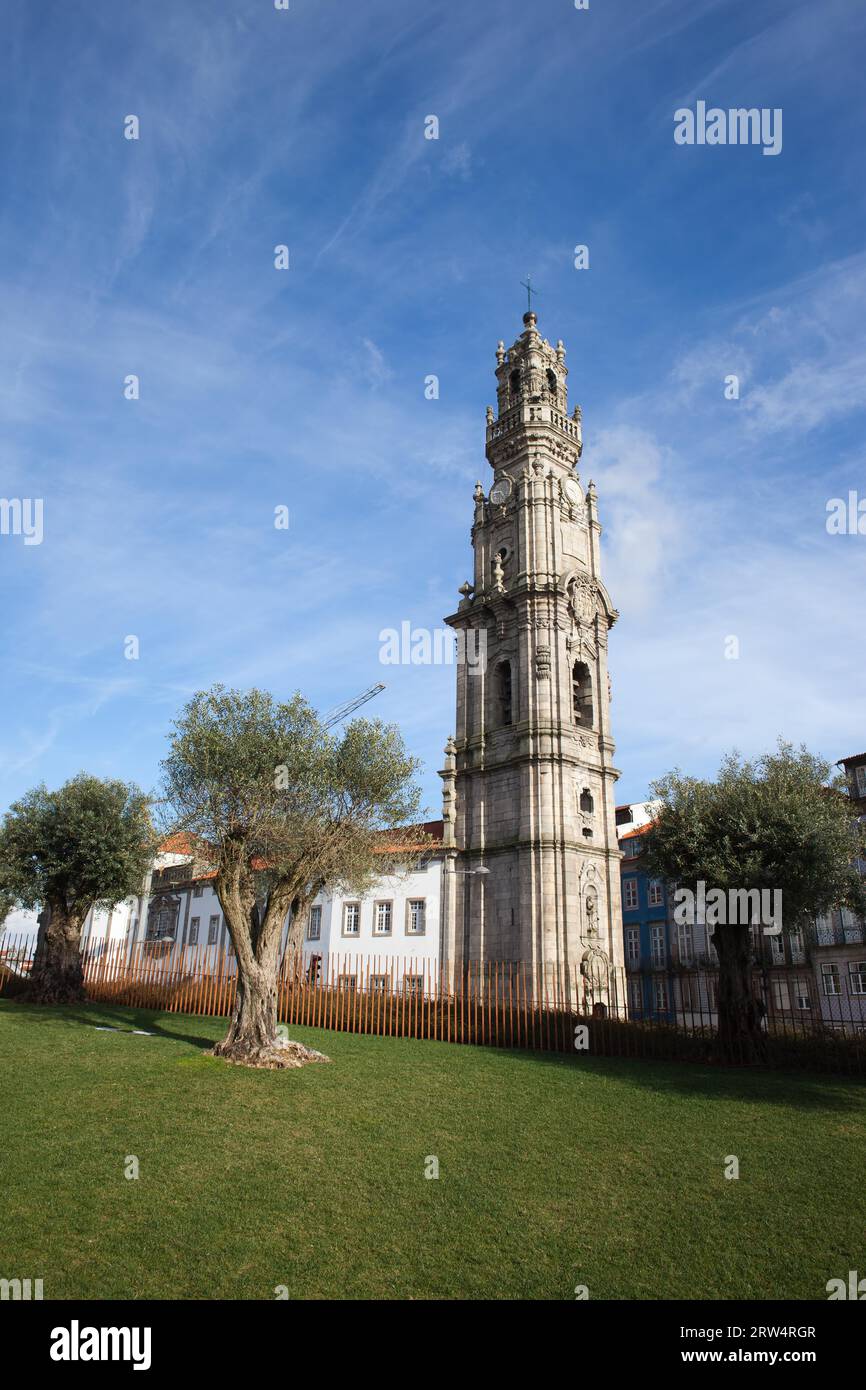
554 1171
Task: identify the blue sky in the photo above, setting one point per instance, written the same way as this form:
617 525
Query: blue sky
305 388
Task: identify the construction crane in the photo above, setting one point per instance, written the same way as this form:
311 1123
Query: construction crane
337 715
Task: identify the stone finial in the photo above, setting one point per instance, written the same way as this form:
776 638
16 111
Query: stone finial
498 574
530 319
560 351
490 416
466 589
478 494
500 352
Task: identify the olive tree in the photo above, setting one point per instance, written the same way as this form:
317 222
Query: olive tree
281 809
86 845
775 824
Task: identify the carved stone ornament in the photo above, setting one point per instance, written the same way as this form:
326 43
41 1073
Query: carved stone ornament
542 663
582 599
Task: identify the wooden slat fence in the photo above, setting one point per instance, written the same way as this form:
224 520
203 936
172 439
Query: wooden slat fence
663 1015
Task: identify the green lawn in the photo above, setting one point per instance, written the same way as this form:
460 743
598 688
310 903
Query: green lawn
553 1171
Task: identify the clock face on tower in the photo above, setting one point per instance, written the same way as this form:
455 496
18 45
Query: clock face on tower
500 492
571 488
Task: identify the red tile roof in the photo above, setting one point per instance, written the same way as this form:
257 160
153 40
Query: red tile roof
183 843
638 830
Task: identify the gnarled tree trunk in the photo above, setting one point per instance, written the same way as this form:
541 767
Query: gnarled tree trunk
252 1039
741 1037
56 976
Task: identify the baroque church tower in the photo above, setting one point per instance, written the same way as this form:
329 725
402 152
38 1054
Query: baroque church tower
532 868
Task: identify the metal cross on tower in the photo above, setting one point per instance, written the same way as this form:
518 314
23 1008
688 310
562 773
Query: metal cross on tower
530 291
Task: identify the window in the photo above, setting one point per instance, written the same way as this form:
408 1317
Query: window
417 921
587 805
797 945
347 982
861 780
824 929
197 890
382 919
656 892
830 979
632 848
804 1000
514 382
632 945
378 984
503 692
213 927
193 931
689 994
629 893
685 944
657 945
581 694
351 919
414 985
635 1002
660 991
777 949
857 976
781 995
551 381
314 923
162 918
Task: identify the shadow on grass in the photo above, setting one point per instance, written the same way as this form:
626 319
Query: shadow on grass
91 1015
802 1090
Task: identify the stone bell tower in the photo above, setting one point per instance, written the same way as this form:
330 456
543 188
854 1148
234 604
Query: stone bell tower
529 778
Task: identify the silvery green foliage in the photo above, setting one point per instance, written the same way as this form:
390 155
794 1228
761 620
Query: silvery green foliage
88 843
779 821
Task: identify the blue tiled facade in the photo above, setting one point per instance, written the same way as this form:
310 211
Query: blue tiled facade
646 934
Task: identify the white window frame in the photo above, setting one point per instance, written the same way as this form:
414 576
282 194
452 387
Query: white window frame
314 923
383 908
830 971
355 909
213 930
657 938
857 976
410 929
685 944
194 924
655 892
632 945
629 891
